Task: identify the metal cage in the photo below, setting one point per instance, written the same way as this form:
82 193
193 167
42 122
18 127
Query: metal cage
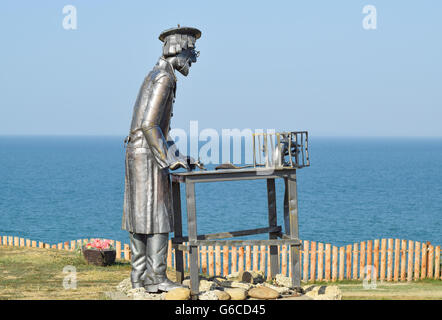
281 149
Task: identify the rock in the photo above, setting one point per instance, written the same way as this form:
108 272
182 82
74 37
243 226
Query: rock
280 290
323 292
186 283
236 284
124 286
205 285
245 276
283 281
222 295
251 276
142 294
208 295
233 275
178 294
263 293
236 293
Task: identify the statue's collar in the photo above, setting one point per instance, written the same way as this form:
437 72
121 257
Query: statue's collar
166 65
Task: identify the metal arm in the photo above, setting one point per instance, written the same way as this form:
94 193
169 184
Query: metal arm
162 88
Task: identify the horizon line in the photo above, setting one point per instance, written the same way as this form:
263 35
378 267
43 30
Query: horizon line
310 136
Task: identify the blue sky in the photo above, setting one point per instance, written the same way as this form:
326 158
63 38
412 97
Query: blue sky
304 65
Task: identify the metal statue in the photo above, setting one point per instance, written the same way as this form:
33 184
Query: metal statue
147 214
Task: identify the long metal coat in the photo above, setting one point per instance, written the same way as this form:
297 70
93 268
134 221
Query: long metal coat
147 194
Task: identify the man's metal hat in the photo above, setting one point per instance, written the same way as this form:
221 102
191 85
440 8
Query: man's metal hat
180 30
178 39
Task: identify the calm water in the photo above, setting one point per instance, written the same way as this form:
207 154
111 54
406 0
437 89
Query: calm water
56 189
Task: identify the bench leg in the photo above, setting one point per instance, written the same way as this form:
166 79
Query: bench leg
178 230
271 197
291 217
191 225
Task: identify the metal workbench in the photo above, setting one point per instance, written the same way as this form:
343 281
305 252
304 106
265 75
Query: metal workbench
276 235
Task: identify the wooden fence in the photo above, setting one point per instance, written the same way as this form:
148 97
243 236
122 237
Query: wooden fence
384 259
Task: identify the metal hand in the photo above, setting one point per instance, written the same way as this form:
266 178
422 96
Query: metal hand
179 164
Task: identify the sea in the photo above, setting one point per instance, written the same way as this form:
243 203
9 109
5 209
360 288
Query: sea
61 188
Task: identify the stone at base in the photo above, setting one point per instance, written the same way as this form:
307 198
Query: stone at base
222 295
263 293
318 292
283 281
208 295
178 294
236 293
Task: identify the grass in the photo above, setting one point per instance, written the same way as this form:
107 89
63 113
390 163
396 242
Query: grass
33 273
415 290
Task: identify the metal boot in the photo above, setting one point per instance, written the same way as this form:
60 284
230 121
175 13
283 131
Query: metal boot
156 261
138 260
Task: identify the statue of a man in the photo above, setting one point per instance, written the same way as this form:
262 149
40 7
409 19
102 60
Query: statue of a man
147 214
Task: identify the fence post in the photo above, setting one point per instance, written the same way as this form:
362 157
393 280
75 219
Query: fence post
335 264
234 259
269 276
305 261
204 259
430 262
410 260
320 261
249 258
241 259
290 263
262 262
255 258
355 261
211 271
217 260
118 249
126 252
396 259
225 260
403 258
437 264
284 260
362 261
383 258
390 260
417 254
341 263
369 258
376 259
424 261
313 261
348 262
327 261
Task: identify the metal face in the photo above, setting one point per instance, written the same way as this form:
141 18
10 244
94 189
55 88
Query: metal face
185 59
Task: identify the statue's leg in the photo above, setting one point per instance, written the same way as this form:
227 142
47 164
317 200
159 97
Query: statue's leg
156 248
138 261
